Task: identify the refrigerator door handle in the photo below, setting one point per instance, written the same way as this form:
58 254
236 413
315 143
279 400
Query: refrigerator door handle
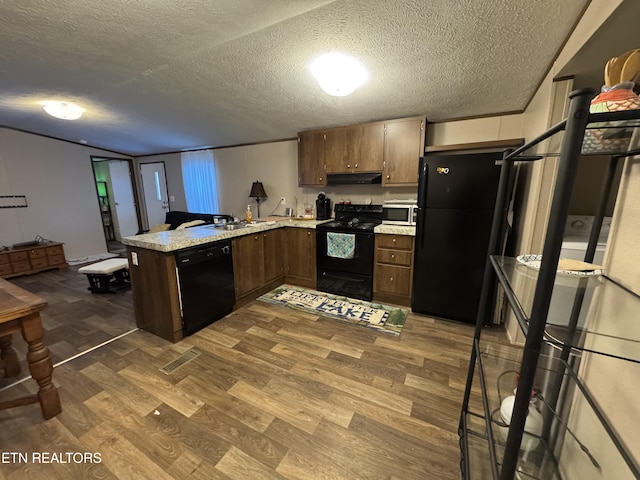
422 199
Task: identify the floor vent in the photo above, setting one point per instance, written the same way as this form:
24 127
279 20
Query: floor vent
183 359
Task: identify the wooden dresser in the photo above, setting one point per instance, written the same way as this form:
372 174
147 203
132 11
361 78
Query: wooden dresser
32 259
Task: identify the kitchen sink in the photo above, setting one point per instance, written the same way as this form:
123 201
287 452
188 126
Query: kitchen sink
231 226
239 225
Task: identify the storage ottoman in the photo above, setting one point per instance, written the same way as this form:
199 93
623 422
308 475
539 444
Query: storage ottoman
107 276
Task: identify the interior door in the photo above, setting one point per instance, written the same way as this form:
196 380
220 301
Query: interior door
154 186
126 221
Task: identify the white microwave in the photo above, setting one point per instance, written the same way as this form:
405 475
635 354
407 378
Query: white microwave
399 214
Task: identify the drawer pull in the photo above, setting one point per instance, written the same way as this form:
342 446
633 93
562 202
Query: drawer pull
393 255
391 279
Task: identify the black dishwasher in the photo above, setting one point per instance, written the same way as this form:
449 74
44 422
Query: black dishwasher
205 280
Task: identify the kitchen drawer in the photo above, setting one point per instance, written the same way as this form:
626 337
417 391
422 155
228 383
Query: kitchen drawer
5 269
37 253
4 259
39 262
56 259
403 242
394 257
55 250
19 267
393 280
16 257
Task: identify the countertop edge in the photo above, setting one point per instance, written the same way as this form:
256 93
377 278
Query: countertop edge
174 240
396 230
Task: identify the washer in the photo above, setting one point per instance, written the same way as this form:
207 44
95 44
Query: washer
576 238
574 245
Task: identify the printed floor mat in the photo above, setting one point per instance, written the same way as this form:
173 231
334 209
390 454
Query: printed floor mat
383 318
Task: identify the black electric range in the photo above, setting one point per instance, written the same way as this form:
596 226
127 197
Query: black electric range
345 251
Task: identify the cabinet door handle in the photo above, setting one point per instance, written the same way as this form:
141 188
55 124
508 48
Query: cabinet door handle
391 279
388 177
356 165
348 165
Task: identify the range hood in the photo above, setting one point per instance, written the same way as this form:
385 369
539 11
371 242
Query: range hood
354 178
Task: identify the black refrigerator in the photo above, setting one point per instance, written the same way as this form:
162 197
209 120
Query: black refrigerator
456 199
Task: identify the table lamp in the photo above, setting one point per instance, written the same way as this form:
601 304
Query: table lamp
257 192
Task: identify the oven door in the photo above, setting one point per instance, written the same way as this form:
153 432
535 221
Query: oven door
362 261
349 277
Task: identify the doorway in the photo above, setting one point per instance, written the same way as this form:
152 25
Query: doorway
154 191
117 199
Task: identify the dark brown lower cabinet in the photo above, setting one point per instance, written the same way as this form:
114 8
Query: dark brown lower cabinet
248 263
393 269
301 257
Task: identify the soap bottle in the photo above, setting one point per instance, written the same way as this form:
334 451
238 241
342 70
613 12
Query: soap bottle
248 216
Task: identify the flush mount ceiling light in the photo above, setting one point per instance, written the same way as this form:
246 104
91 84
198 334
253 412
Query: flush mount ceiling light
63 110
338 74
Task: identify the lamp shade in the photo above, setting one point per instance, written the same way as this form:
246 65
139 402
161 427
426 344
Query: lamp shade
257 190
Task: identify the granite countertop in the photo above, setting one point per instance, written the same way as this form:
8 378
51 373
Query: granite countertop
173 240
396 230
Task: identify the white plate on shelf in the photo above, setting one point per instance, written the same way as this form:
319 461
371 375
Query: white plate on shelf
534 261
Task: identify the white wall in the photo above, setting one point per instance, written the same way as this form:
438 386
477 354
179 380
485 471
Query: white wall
274 164
58 181
502 127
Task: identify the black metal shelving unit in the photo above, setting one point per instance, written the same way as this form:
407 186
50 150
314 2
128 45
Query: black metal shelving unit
554 347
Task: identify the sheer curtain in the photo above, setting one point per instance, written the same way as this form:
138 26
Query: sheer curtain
199 180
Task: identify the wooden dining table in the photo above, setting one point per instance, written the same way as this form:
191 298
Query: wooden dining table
20 312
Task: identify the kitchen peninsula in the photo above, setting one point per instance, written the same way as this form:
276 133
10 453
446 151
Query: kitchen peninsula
265 255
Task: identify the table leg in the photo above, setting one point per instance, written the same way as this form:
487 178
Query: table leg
40 365
9 357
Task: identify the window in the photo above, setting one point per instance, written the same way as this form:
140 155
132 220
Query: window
199 180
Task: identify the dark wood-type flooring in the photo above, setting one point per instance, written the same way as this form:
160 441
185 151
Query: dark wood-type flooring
275 393
75 320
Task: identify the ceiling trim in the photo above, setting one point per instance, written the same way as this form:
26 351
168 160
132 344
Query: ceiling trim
491 144
218 148
67 141
476 117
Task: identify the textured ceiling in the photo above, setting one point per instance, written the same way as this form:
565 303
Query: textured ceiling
159 76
